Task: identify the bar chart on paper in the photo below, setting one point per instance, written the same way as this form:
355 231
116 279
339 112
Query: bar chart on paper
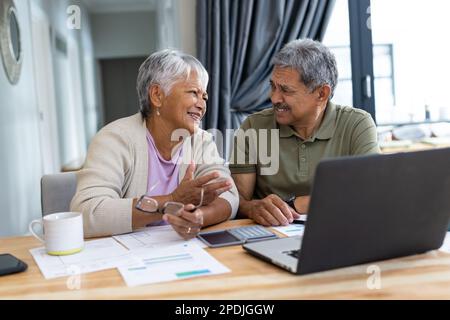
184 257
292 230
172 263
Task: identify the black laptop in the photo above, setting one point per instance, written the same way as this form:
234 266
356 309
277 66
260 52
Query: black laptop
366 209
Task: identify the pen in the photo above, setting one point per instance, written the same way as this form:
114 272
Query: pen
298 222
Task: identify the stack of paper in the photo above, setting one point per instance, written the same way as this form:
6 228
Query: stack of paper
292 230
156 254
446 245
97 255
441 141
154 237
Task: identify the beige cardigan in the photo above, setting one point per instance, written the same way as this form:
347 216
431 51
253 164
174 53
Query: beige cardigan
116 171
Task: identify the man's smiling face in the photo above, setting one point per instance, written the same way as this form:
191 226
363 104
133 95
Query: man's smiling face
293 102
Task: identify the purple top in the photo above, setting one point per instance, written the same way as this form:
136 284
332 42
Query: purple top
162 174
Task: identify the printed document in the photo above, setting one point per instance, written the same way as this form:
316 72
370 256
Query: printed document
96 255
176 262
292 230
446 245
154 237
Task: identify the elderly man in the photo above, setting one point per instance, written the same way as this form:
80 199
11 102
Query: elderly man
310 127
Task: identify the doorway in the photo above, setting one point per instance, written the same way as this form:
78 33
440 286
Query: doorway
119 87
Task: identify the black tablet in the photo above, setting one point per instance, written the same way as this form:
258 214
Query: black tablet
219 238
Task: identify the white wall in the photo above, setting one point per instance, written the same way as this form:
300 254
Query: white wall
76 109
20 158
121 35
87 59
20 166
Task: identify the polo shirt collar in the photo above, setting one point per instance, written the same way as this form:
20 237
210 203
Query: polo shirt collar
286 131
328 126
325 131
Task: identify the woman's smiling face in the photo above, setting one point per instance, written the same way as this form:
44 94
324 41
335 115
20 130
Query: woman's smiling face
185 105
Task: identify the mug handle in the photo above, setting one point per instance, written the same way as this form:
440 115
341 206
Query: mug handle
30 228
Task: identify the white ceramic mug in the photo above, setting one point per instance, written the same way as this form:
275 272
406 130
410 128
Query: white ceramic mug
63 233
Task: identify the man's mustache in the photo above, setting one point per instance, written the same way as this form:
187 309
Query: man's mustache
281 106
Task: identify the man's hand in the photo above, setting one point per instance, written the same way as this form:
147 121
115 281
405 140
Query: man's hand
271 211
302 204
189 190
186 223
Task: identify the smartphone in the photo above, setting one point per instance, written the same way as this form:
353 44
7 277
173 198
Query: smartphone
10 264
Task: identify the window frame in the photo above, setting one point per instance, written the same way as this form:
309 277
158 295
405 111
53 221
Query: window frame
363 80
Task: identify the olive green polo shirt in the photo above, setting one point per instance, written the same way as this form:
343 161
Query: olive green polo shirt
344 131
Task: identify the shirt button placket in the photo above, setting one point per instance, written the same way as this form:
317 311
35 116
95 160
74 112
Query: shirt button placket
303 164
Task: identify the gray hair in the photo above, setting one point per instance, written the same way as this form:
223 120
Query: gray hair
315 63
165 68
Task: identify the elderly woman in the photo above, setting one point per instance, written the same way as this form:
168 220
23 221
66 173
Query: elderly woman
157 159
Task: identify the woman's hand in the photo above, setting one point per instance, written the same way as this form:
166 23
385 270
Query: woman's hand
189 190
186 223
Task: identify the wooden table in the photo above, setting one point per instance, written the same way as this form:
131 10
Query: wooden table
419 277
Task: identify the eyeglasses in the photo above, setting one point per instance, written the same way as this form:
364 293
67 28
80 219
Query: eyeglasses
174 208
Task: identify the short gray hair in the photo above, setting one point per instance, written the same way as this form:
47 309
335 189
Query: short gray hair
315 63
164 68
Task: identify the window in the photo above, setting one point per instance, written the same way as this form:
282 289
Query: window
392 58
384 75
337 38
416 32
383 65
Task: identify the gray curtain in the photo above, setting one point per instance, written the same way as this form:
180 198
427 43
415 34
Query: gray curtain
236 42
